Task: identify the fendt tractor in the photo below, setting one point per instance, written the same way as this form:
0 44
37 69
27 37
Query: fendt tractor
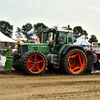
56 51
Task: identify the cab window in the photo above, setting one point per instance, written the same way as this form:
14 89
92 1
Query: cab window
48 37
70 38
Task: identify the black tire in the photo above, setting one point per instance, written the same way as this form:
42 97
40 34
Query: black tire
16 63
34 63
74 62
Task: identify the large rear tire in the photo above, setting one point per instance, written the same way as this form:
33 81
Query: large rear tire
16 63
34 63
74 62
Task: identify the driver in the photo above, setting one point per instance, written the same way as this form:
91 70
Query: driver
61 39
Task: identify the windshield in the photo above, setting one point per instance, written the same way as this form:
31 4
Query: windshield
43 37
48 37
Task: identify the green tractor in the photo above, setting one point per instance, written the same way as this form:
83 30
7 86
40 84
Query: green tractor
56 51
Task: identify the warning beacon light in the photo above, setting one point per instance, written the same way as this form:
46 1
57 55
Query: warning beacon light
55 27
68 26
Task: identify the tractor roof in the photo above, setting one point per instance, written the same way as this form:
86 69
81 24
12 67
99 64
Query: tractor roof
64 30
60 29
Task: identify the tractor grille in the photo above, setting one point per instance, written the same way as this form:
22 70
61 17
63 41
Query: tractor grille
24 48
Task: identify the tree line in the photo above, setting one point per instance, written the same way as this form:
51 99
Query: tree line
7 29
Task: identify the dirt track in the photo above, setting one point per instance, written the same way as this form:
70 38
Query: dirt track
50 86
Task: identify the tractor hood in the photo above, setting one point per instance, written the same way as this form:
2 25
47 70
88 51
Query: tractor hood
41 47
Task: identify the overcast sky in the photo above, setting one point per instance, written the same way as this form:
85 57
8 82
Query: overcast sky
85 13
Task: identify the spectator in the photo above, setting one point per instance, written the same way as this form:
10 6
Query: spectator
5 46
2 44
0 47
16 46
12 46
94 60
8 45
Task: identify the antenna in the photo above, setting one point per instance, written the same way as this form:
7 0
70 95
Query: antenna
58 25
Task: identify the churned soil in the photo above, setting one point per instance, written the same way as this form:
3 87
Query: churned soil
49 86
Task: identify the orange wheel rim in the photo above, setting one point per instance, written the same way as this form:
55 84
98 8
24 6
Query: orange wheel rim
36 63
76 62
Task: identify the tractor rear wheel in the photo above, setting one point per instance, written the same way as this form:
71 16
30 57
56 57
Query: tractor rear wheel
34 63
74 62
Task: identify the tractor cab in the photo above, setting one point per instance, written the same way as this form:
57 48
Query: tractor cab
57 38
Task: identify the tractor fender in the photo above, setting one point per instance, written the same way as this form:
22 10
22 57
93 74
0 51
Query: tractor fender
69 47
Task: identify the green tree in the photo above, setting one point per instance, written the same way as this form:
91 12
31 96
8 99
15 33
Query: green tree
18 33
39 28
78 31
85 33
25 28
6 28
93 38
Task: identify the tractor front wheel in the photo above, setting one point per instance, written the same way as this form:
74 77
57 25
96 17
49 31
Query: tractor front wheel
34 63
16 62
74 62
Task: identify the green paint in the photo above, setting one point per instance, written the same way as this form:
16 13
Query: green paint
61 48
42 47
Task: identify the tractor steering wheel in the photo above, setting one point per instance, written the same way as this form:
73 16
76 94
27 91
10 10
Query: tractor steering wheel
51 43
